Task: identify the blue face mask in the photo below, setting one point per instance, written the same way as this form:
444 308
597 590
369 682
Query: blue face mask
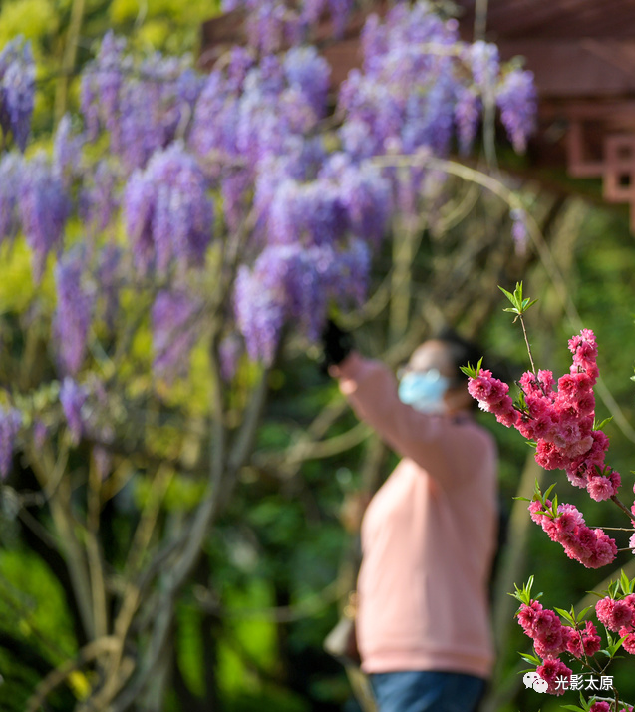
424 391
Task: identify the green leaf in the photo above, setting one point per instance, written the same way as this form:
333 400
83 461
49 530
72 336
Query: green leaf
531 659
509 295
472 371
625 584
566 615
519 305
601 424
545 496
574 708
616 646
584 611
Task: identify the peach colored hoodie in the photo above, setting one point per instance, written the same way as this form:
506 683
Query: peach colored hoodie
428 535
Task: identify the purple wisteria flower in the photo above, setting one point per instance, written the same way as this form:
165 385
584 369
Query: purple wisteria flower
408 87
67 151
365 195
310 74
311 213
10 422
44 207
169 214
101 86
10 170
273 24
73 397
420 84
294 283
175 329
17 90
99 199
516 99
144 106
73 313
485 64
260 313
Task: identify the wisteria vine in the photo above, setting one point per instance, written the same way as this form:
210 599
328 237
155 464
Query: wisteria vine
166 170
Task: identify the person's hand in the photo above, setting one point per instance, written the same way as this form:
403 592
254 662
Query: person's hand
336 345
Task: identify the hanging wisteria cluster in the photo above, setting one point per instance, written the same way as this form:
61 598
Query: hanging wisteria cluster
17 91
164 166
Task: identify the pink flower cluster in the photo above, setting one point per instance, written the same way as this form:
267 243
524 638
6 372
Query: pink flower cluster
559 421
619 617
603 706
551 638
591 547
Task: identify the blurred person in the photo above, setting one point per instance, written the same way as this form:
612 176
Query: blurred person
429 534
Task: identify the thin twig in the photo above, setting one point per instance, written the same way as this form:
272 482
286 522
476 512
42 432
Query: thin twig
531 360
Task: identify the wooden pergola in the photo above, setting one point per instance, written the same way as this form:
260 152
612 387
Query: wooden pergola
582 54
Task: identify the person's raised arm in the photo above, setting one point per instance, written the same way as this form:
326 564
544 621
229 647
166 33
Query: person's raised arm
372 391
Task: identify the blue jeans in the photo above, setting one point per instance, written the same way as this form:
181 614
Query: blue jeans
424 691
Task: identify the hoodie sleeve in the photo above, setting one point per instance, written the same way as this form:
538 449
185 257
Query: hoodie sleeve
372 391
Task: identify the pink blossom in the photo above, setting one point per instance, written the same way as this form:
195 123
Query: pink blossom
604 611
525 427
629 643
536 511
579 447
479 388
585 403
548 456
527 614
537 405
568 520
529 384
591 640
601 488
631 543
504 411
576 473
601 440
498 390
621 616
568 386
567 433
603 553
543 425
574 642
592 548
600 706
551 670
546 379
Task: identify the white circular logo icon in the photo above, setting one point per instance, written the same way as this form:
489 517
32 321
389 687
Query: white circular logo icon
541 685
529 678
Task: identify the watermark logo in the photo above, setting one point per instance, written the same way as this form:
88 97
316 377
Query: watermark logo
533 680
575 682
